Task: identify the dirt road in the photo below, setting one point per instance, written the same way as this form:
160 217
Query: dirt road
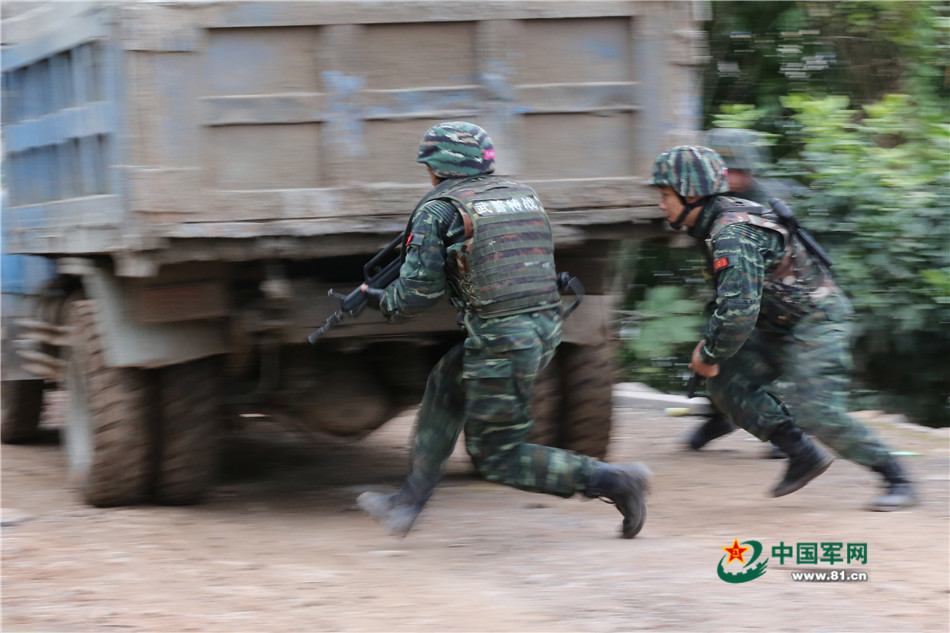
280 545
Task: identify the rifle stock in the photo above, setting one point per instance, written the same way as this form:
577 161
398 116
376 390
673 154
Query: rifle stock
788 219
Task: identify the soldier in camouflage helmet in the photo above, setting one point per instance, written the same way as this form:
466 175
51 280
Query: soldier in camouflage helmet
778 313
485 241
744 158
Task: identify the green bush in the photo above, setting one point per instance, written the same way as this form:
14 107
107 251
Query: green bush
854 97
877 195
662 319
877 198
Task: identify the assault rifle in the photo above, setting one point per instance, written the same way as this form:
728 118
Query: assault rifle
379 272
383 269
788 219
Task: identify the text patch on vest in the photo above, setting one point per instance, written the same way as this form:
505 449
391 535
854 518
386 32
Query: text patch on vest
510 205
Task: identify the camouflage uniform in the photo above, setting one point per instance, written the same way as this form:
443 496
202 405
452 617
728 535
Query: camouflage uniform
740 150
483 384
777 313
753 352
485 242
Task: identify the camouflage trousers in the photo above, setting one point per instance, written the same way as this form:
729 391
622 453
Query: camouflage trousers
815 359
484 386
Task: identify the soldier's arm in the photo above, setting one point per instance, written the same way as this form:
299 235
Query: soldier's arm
738 260
422 282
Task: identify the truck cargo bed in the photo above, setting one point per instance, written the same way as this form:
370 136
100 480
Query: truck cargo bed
138 127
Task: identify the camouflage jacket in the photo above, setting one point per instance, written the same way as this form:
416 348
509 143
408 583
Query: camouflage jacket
744 260
435 229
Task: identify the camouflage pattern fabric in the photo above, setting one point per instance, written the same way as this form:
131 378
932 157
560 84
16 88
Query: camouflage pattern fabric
690 171
483 385
456 149
814 355
793 288
738 261
762 275
435 230
738 150
815 359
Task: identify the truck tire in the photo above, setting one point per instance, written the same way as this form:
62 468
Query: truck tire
106 434
21 402
545 407
344 402
587 398
185 438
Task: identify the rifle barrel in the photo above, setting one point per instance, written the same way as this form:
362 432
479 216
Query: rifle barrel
332 320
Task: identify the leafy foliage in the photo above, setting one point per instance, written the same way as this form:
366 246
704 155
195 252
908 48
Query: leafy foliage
760 52
660 336
662 324
853 98
878 196
878 185
869 134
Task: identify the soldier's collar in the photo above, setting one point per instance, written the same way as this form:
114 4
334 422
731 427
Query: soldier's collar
705 219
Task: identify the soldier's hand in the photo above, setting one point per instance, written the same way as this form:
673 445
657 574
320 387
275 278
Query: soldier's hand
701 368
373 296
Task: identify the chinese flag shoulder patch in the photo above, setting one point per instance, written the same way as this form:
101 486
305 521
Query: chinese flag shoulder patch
721 263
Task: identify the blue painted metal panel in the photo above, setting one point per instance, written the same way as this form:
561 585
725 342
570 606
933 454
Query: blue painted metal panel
80 29
21 277
54 118
89 120
60 117
20 274
24 274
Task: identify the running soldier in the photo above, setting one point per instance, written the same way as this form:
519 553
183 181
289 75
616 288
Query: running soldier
744 158
485 241
778 313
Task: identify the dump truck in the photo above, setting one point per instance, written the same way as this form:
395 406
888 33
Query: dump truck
195 177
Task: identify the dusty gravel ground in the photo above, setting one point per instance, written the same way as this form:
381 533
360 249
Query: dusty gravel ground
281 547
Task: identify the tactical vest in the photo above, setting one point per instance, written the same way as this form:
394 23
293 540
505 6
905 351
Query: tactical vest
506 263
796 283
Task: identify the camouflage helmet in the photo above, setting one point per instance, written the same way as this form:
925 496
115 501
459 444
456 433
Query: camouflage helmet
690 171
456 149
739 149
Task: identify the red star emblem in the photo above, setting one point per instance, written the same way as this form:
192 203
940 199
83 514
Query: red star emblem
736 551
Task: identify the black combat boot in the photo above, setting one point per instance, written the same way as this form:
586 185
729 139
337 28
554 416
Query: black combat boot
626 486
806 460
900 490
396 512
715 426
